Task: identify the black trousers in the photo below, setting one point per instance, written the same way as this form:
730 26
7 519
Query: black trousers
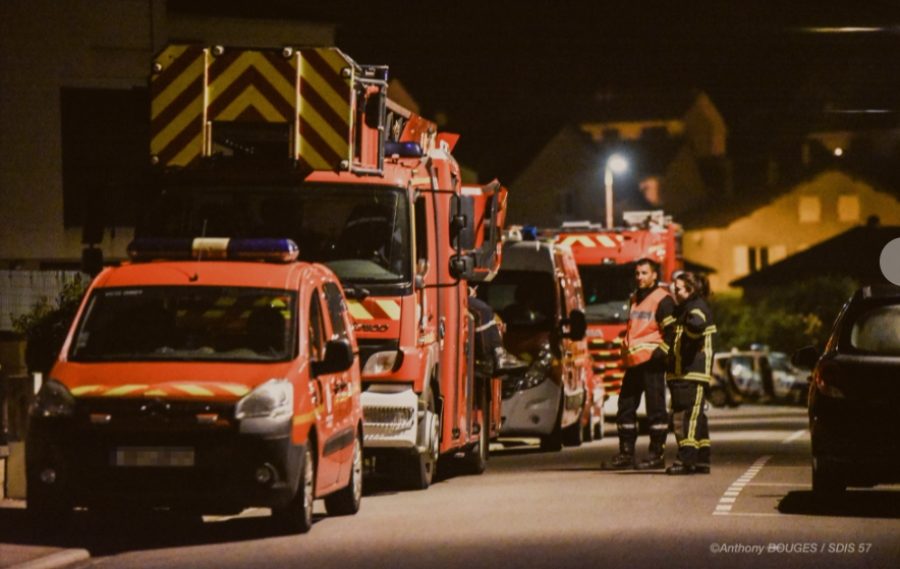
691 424
647 379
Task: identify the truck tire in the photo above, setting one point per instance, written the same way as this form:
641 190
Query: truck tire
296 516
346 501
572 436
419 469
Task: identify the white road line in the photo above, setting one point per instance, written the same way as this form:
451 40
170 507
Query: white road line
756 515
730 496
788 484
794 437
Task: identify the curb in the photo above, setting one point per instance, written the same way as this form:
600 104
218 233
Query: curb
55 560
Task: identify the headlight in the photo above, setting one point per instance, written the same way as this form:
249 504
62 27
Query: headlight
273 399
538 371
54 400
380 362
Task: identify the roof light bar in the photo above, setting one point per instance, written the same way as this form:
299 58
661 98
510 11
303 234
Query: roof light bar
212 249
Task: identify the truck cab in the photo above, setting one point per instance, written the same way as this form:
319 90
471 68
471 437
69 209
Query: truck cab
205 376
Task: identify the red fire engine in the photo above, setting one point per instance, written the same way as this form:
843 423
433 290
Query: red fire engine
305 144
606 260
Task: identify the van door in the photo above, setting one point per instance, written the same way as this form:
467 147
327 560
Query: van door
341 442
329 463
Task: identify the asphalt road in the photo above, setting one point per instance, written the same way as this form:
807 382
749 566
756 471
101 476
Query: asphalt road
555 510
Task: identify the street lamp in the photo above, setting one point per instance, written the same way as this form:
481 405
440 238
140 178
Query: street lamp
615 164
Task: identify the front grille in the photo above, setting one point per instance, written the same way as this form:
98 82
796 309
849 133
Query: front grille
153 415
397 418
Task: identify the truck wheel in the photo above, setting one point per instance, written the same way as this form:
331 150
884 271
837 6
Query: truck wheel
346 501
296 517
419 470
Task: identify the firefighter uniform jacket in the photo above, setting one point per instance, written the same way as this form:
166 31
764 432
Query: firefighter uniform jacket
692 350
649 317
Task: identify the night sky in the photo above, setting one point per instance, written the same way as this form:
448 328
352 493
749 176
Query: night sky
508 75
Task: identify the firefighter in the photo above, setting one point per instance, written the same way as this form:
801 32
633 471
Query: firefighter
689 373
650 320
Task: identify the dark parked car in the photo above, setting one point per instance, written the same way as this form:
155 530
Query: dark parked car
855 394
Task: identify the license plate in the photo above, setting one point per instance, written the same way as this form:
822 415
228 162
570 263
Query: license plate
166 457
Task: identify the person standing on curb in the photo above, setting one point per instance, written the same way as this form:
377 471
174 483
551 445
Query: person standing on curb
689 373
650 317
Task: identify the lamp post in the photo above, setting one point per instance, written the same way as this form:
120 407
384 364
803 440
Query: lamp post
615 164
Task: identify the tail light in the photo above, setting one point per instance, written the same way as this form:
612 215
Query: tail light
828 378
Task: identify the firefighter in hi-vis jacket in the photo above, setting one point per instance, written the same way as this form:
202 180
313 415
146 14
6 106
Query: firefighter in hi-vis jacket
645 350
689 373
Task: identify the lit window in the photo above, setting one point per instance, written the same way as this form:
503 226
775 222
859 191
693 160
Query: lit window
848 208
741 260
810 209
777 253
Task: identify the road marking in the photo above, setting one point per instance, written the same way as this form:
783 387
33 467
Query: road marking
788 484
757 515
795 436
730 496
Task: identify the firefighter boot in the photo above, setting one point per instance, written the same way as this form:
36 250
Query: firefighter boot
656 458
624 460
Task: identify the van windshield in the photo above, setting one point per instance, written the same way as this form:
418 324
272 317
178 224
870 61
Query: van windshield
607 289
522 298
180 323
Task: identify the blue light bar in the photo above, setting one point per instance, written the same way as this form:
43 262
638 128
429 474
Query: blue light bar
529 233
213 249
403 149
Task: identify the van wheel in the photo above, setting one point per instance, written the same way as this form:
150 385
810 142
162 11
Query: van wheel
588 430
554 441
572 435
346 501
296 516
717 397
47 511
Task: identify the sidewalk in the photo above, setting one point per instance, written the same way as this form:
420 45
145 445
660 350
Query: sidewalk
28 556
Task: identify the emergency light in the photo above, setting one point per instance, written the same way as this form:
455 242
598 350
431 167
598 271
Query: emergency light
403 149
213 249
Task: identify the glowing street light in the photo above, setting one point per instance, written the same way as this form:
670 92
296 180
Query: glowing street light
615 164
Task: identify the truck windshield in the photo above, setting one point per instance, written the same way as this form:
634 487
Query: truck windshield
182 323
360 232
606 291
522 298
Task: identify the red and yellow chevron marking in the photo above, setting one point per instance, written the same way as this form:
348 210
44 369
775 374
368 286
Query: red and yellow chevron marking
374 309
172 390
193 88
178 105
581 240
324 108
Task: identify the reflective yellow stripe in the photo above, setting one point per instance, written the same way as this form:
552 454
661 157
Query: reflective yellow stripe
695 412
704 443
85 389
390 307
194 390
699 313
124 390
664 347
358 311
668 321
235 388
309 417
156 393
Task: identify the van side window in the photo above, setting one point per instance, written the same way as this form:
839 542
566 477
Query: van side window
336 309
421 229
316 328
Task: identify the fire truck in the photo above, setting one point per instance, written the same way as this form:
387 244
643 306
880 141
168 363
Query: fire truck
305 144
606 260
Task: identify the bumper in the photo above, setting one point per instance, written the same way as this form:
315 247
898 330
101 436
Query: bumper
531 411
390 418
91 468
860 441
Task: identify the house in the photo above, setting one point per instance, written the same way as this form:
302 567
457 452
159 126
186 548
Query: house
74 114
749 232
675 144
855 253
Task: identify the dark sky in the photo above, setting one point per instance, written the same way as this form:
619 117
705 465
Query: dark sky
509 74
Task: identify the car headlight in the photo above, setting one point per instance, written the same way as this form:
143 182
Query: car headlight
380 362
54 400
538 371
273 399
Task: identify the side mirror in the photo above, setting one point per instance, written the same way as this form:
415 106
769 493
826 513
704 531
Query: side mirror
462 223
461 266
338 357
577 326
805 357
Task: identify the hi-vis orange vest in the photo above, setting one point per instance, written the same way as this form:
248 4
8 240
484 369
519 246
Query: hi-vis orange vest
643 334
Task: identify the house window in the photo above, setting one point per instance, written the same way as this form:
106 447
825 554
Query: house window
777 253
810 209
848 208
105 155
741 260
756 259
